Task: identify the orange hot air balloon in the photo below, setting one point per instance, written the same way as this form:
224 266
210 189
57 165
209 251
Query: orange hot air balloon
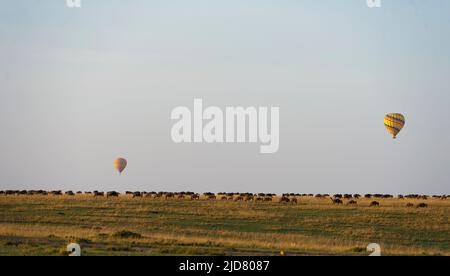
120 164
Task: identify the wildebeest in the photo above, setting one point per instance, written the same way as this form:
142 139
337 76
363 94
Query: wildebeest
352 202
169 195
409 204
137 194
294 200
422 205
239 198
336 200
258 199
284 199
374 204
211 197
97 193
112 194
70 193
249 198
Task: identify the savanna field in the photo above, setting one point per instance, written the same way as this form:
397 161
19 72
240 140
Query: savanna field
123 225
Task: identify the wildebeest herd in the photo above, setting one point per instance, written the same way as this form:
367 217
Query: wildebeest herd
292 198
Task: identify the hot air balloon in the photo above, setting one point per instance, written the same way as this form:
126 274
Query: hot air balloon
394 122
120 164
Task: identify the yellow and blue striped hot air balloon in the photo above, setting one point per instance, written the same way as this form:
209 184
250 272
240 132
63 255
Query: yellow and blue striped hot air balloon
394 122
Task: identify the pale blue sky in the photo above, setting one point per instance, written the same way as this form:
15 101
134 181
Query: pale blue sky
80 87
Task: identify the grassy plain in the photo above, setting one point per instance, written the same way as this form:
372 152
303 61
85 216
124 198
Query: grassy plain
44 225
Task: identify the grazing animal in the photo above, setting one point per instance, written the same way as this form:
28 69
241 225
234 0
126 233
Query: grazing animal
422 205
284 200
248 198
409 204
374 204
336 200
96 193
294 200
239 198
112 194
137 194
195 196
352 202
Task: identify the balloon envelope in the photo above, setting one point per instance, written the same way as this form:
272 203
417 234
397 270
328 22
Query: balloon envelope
120 164
394 123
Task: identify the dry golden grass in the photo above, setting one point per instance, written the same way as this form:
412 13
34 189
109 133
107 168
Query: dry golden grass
42 225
